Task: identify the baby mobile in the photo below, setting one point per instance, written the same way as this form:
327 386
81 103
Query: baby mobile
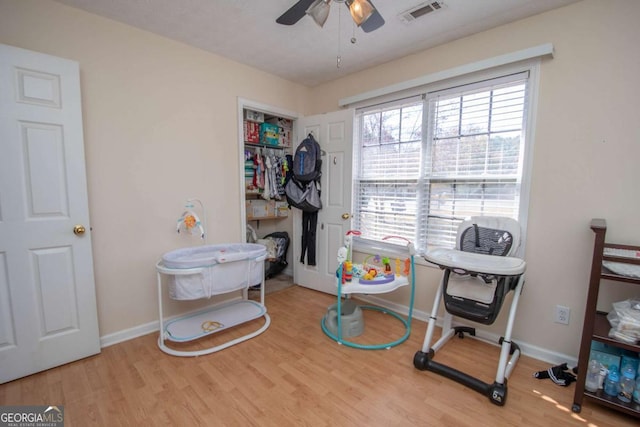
189 222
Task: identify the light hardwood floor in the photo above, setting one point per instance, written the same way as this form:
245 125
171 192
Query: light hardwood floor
294 375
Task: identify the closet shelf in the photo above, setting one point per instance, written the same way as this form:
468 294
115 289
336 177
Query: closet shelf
261 145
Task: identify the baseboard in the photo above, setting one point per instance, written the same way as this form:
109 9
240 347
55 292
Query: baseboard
526 349
545 355
129 334
147 328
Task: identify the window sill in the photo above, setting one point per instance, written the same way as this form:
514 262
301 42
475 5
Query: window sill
374 247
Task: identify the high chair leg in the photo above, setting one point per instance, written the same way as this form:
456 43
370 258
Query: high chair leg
434 314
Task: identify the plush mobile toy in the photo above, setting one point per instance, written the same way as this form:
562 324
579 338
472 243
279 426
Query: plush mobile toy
190 222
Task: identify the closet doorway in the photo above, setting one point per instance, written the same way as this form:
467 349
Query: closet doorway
263 210
334 132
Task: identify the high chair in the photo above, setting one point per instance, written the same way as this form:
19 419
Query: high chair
477 275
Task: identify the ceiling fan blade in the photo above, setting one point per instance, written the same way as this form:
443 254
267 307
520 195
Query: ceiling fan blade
295 13
374 22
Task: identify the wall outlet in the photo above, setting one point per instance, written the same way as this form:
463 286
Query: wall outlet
562 314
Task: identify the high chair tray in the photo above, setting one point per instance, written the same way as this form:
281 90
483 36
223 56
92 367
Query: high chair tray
476 263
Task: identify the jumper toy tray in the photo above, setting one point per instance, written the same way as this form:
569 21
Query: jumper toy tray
380 286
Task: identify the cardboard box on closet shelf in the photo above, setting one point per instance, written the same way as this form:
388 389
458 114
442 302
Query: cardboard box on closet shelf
258 208
282 209
269 134
284 137
251 132
280 122
284 130
254 116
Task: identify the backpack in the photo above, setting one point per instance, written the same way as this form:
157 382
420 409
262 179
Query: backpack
304 196
307 163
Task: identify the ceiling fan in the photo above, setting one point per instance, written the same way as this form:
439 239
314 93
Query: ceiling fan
364 14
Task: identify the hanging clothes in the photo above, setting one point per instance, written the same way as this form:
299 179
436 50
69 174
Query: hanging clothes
259 176
309 225
278 177
266 193
271 170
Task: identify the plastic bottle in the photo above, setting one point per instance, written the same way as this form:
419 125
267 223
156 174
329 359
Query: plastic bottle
603 375
612 383
636 392
627 384
593 374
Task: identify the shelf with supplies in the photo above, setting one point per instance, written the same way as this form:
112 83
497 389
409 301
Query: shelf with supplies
267 131
250 145
259 209
614 262
267 141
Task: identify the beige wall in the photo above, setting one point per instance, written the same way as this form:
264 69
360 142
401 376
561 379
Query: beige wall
587 148
160 127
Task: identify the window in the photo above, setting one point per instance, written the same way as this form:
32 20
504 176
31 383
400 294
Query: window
426 163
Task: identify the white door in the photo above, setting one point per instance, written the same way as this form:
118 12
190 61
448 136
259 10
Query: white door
334 132
48 313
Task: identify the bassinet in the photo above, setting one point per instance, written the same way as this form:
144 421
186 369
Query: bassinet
224 268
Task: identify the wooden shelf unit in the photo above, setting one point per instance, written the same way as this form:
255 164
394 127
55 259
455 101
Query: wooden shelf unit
596 326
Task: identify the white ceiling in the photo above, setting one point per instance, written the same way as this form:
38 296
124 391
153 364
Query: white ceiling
246 31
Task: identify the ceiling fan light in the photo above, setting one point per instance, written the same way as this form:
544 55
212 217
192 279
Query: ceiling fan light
360 10
319 11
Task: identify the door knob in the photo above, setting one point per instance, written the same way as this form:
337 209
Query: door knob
346 216
79 230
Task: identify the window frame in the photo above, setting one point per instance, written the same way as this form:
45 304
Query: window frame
532 67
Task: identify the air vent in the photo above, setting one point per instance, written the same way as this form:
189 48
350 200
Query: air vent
420 10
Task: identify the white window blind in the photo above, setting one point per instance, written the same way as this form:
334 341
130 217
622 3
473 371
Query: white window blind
426 163
388 165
